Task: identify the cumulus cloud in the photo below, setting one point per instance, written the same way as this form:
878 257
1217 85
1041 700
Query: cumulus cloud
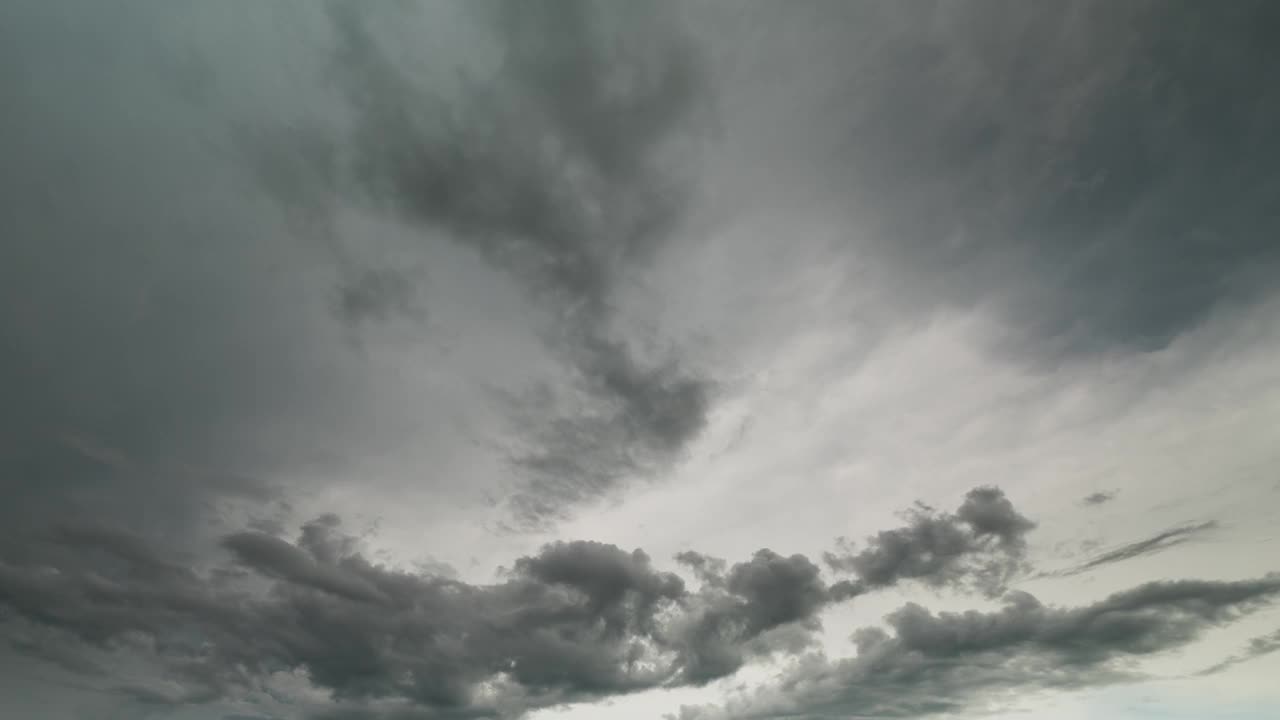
981 545
764 605
578 620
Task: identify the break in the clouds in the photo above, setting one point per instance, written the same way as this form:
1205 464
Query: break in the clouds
558 359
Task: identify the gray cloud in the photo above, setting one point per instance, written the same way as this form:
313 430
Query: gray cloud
981 545
709 570
578 620
758 607
939 663
162 337
1156 543
276 558
551 169
378 294
569 623
1100 175
177 282
1098 498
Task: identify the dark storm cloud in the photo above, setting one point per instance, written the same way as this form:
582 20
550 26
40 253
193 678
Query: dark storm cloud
43 644
550 170
1156 543
948 662
150 341
578 620
1101 174
981 545
128 548
276 558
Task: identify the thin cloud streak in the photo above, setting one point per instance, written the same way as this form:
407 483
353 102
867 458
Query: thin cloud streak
1156 543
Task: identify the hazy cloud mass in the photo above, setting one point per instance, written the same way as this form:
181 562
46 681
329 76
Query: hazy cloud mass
566 359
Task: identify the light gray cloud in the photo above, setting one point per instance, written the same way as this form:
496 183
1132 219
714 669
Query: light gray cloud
1257 647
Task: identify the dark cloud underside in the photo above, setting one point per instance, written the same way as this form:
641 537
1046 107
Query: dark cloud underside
578 621
948 662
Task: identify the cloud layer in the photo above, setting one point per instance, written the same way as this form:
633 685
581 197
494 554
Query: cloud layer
578 621
553 279
940 663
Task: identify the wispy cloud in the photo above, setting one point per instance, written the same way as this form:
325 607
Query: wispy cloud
1156 543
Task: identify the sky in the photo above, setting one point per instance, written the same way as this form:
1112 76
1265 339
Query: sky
557 360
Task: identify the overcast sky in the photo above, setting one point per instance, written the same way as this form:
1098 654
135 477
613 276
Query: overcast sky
687 361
